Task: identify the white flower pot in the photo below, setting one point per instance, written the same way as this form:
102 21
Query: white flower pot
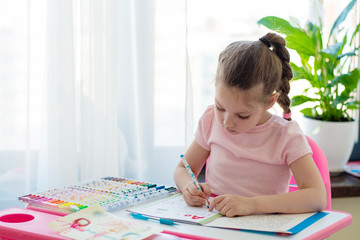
336 139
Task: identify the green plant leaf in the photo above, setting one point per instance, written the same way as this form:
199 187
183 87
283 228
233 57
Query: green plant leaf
309 112
302 73
278 25
304 60
340 99
302 43
346 54
325 55
300 99
296 38
294 22
333 50
352 105
315 33
348 80
354 33
344 43
342 16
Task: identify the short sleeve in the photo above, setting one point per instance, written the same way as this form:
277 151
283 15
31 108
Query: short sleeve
203 130
294 144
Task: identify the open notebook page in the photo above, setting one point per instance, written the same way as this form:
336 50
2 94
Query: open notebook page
174 208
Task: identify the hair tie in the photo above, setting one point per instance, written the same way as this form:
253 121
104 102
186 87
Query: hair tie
287 115
265 41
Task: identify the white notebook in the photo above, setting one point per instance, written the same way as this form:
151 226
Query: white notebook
175 209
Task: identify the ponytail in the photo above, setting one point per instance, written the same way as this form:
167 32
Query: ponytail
277 43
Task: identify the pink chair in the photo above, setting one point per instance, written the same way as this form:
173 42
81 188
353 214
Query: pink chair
322 165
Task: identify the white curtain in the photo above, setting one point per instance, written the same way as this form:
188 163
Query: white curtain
136 88
100 80
58 152
85 87
80 117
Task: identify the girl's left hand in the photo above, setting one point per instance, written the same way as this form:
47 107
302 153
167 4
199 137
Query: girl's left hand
233 205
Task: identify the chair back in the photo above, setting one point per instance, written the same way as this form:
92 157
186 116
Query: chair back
321 163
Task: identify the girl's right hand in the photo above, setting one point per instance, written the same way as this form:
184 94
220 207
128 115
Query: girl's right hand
193 196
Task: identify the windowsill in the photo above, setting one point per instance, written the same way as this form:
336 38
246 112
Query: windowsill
344 185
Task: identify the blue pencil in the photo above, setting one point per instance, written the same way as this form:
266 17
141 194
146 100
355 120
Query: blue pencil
195 181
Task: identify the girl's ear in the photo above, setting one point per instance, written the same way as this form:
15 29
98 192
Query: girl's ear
272 100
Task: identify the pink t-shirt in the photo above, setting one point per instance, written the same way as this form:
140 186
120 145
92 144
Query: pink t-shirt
252 163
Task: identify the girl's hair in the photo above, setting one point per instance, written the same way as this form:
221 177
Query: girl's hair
245 64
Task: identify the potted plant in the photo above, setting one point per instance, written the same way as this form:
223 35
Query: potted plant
328 67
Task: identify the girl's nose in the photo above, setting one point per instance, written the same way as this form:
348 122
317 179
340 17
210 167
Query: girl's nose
228 122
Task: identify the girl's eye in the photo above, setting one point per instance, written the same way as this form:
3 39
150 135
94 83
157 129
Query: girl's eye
243 117
220 109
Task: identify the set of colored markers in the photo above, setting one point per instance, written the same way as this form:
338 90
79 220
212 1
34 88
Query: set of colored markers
110 193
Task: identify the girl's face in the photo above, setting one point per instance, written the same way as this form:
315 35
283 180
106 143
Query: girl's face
238 111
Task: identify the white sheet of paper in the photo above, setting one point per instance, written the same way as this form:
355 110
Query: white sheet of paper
261 222
175 208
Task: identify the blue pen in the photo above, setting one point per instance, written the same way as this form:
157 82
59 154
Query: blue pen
161 220
195 181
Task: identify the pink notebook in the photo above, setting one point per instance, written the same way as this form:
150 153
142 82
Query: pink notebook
353 168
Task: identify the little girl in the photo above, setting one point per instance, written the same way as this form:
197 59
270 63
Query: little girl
250 152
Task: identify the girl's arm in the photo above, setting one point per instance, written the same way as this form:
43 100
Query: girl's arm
310 197
196 157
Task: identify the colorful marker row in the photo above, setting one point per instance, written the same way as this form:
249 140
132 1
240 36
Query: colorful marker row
110 193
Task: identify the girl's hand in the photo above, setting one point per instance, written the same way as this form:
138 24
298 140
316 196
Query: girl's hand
193 196
233 205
